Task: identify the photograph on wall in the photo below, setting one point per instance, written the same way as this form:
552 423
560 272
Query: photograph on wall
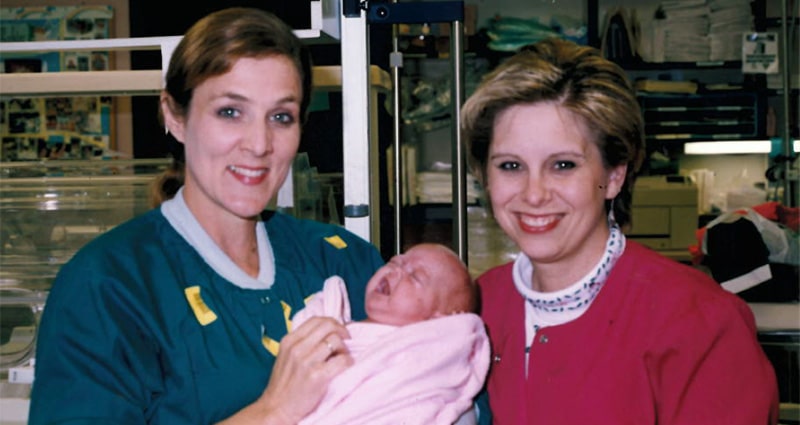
57 127
24 116
22 65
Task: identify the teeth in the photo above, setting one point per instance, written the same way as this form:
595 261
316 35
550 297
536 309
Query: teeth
537 221
246 172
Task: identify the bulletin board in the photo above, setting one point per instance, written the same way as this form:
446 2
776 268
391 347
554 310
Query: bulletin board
36 128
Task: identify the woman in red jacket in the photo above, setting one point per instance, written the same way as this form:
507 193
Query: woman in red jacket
586 326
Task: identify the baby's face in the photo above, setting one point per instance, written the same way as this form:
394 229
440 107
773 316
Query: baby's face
413 286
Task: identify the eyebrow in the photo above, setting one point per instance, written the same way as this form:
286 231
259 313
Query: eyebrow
553 155
289 99
229 95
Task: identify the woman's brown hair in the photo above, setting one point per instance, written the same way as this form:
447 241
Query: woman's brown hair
208 49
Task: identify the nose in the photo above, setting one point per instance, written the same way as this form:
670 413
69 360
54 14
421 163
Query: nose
258 139
395 269
536 190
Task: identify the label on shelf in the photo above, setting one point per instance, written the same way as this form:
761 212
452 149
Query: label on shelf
760 53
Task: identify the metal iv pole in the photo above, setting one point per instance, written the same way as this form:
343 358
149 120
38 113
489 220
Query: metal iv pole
790 197
427 12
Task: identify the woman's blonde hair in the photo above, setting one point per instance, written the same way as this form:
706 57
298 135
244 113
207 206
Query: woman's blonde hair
576 78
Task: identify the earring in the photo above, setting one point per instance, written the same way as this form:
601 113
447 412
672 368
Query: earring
611 218
166 130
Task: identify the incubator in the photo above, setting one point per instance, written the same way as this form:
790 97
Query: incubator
49 210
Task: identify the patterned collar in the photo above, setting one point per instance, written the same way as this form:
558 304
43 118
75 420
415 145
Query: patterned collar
578 296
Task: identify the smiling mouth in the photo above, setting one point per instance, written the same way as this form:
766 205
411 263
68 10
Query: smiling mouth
537 221
538 224
247 172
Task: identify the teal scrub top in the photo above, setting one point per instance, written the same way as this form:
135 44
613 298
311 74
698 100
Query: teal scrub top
139 329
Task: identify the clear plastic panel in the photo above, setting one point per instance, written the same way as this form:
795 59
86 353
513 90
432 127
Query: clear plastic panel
50 209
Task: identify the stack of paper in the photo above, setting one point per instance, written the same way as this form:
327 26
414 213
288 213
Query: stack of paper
408 174
435 187
728 20
685 30
674 9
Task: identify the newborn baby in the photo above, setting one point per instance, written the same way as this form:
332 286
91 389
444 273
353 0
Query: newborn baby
422 354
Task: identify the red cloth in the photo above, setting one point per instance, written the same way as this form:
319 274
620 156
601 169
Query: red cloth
662 343
775 211
779 213
789 216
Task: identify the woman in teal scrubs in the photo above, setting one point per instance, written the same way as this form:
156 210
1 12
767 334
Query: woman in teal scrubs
181 315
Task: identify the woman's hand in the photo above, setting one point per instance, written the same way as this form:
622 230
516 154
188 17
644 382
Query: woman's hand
310 356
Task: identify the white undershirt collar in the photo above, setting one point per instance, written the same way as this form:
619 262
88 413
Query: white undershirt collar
184 222
556 308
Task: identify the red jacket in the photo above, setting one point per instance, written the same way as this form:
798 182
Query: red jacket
661 344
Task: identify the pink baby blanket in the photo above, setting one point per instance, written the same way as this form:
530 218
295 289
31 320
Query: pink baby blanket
426 373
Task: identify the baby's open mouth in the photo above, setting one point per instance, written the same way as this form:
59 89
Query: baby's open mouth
383 287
